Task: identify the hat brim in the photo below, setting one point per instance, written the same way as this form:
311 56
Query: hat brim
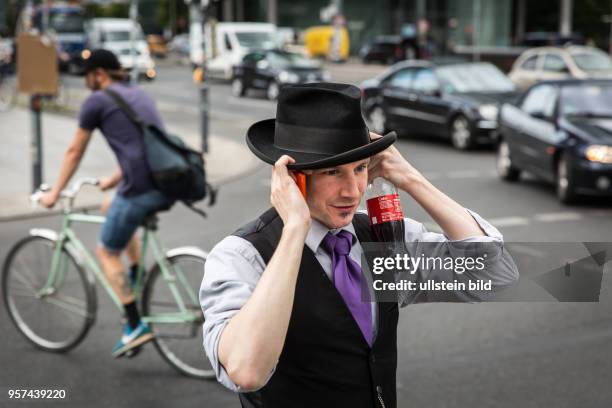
260 139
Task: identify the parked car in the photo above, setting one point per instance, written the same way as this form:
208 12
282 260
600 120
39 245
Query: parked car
456 101
560 131
388 49
273 69
228 43
114 34
319 43
554 63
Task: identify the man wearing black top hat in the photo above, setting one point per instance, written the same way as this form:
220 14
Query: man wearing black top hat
282 326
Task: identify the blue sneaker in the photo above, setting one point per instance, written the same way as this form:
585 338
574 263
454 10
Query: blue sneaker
132 338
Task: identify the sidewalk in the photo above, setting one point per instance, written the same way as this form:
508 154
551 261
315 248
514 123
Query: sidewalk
226 160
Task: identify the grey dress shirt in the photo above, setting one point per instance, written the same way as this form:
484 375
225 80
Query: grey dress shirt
234 267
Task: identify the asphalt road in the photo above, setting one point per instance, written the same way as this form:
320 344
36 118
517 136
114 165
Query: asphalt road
450 355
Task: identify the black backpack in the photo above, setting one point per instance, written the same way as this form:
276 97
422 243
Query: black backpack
177 170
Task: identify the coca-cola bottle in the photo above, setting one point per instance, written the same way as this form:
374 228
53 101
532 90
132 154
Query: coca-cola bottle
385 212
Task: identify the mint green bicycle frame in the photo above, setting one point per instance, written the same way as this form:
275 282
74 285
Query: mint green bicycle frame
171 275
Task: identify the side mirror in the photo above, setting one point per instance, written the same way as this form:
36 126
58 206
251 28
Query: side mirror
263 64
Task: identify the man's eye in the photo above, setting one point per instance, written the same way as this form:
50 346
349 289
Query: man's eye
331 172
362 168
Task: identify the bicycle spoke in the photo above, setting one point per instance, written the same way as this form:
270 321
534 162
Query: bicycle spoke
66 306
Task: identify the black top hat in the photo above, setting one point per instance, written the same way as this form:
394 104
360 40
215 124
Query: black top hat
319 125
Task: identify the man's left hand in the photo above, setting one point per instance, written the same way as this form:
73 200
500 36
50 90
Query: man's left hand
391 165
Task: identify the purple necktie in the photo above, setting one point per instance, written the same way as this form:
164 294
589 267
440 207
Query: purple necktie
348 279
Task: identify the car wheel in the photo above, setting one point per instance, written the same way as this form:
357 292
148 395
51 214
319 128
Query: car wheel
378 120
272 91
238 88
566 189
461 134
505 168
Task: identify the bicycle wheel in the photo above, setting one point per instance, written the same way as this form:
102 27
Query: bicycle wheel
8 92
58 319
180 344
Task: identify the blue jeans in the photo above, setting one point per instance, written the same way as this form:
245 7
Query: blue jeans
126 214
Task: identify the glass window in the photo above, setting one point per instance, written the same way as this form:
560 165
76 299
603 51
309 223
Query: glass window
253 57
588 100
530 63
554 63
593 61
402 78
120 36
474 77
426 81
228 44
541 99
256 39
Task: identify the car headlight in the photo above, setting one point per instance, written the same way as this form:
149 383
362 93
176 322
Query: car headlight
326 76
85 54
288 77
599 154
488 112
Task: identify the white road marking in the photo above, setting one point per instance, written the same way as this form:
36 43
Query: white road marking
558 216
509 221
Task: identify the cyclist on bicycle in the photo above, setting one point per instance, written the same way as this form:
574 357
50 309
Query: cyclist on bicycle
136 197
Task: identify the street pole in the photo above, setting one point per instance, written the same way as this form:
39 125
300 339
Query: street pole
36 147
36 141
476 35
134 18
204 106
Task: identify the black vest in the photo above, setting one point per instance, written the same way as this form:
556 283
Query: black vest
325 361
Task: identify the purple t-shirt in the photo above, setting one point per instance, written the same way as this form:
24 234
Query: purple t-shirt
125 139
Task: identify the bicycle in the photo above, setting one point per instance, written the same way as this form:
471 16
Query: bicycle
65 297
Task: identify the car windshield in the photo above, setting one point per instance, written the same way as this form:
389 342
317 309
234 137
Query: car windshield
588 100
63 22
118 36
479 77
283 59
593 61
256 39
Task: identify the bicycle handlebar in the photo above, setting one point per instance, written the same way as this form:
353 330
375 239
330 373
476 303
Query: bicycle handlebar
69 193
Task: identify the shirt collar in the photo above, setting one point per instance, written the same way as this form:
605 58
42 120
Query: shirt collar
318 231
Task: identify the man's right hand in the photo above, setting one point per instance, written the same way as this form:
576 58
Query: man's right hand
106 183
286 197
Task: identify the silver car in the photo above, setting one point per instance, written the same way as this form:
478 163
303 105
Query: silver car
553 63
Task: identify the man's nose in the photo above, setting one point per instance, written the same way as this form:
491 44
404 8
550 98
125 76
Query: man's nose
350 186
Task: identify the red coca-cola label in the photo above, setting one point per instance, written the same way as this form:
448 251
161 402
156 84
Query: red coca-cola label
384 209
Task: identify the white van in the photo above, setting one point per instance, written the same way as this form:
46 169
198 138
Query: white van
113 34
227 43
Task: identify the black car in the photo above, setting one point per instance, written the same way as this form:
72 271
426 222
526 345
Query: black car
388 49
272 69
560 131
455 101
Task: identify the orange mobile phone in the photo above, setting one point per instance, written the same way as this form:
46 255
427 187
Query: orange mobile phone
300 179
